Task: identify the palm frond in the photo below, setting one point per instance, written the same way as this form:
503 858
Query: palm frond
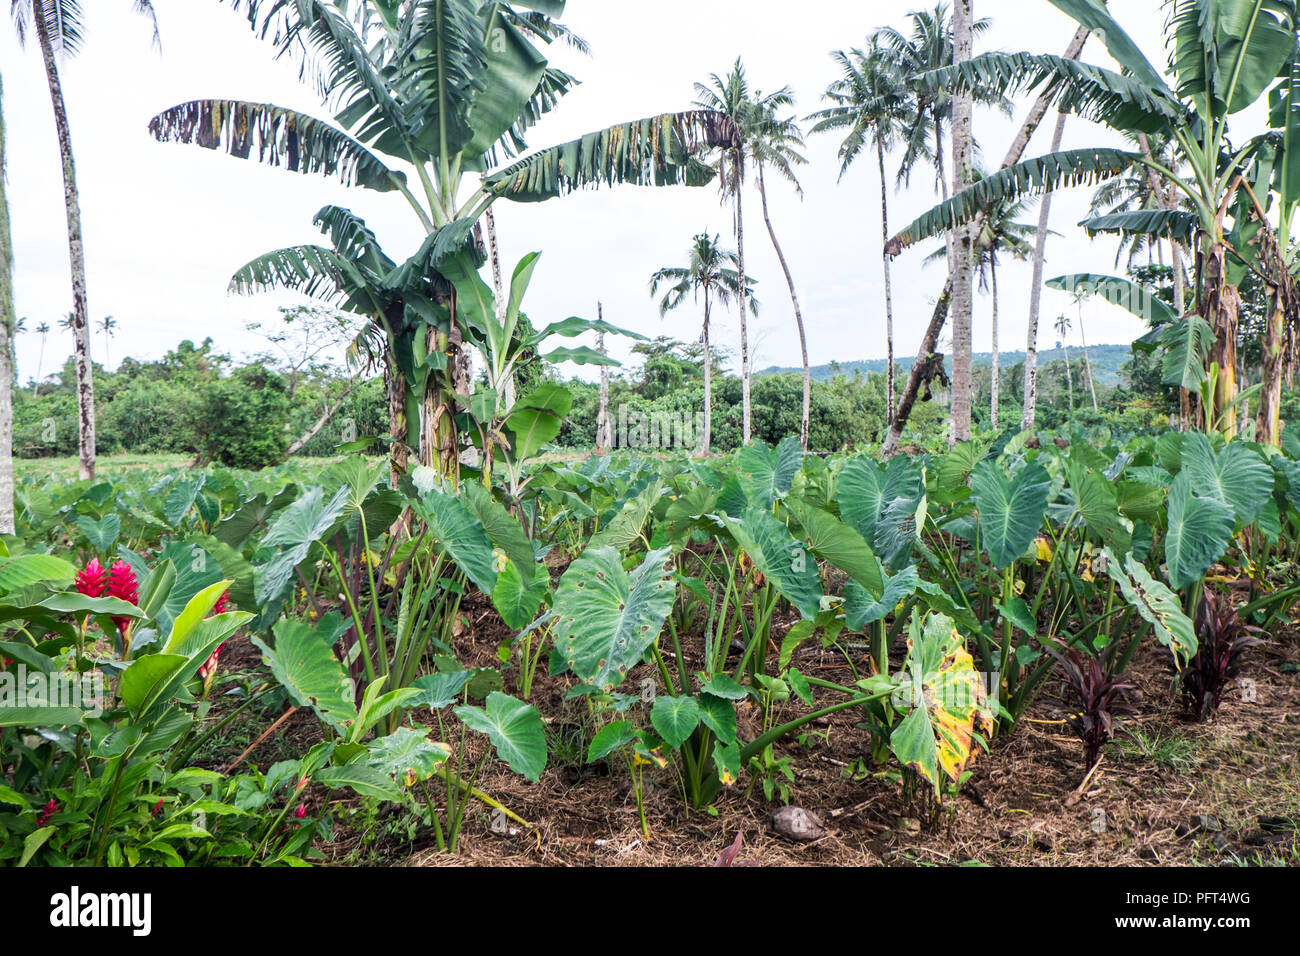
1099 95
1161 223
660 151
1030 177
277 137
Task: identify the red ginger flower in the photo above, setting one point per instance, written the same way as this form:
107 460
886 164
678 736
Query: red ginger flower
122 584
221 607
301 811
51 808
92 579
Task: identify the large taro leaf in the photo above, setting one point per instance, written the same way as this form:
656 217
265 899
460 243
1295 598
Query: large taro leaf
947 700
294 530
408 754
838 544
862 607
1098 505
1010 508
1155 603
515 729
784 561
1236 476
606 618
765 472
101 534
675 719
866 489
625 527
252 514
303 661
456 530
516 599
1198 534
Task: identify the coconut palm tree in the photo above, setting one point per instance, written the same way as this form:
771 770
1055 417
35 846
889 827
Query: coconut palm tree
58 26
873 103
774 143
1229 56
106 325
1063 329
7 329
43 330
927 46
731 97
450 87
1079 295
714 273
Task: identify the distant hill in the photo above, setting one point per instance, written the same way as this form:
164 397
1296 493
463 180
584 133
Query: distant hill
1107 363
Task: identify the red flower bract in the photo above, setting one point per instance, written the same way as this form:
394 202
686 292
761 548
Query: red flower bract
92 579
301 811
51 808
122 584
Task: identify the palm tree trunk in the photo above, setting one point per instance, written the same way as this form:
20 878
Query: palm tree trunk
1036 292
889 291
602 413
963 251
6 346
1069 379
744 323
993 382
1087 362
940 314
40 361
798 315
708 381
76 254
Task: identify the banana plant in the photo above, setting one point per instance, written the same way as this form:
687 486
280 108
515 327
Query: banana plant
507 342
446 89
1225 56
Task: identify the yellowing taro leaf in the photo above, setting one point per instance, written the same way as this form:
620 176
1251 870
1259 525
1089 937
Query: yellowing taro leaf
947 699
1044 549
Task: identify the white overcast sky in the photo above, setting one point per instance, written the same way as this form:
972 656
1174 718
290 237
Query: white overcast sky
166 225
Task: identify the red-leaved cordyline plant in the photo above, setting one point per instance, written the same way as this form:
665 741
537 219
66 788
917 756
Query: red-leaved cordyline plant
92 579
1222 638
122 584
1098 692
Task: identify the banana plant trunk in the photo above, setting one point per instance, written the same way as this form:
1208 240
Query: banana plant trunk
798 319
395 393
1221 308
1268 425
76 255
6 346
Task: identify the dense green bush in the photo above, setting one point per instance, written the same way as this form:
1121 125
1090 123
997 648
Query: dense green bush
246 419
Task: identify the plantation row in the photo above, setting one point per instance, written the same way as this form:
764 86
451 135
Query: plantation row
663 592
